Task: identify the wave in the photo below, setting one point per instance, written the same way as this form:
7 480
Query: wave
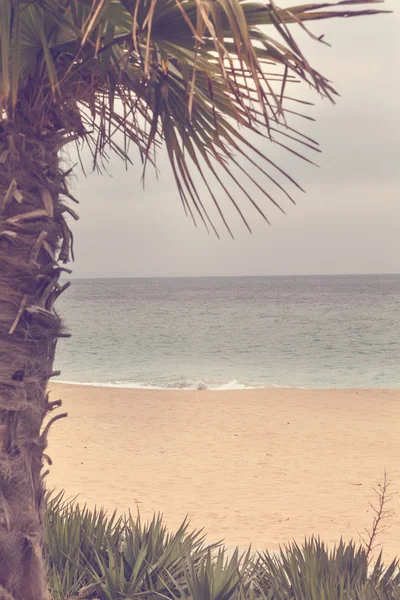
234 384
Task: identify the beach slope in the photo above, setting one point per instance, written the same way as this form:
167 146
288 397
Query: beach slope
252 466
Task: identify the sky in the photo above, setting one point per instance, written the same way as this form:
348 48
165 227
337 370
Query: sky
348 220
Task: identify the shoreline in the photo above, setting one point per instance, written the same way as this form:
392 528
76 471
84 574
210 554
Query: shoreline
132 387
260 466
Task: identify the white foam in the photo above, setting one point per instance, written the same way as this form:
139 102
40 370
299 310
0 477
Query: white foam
234 384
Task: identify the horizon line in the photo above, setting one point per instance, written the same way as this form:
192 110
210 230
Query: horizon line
77 277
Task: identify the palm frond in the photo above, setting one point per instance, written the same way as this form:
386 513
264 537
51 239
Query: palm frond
212 80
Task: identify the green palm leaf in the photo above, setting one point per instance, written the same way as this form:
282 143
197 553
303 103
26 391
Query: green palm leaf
209 79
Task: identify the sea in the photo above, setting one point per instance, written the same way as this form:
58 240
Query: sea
225 333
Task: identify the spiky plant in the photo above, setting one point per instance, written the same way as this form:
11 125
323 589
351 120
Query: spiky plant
109 73
95 557
312 571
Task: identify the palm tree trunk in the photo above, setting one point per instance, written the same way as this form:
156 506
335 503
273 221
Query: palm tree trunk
34 237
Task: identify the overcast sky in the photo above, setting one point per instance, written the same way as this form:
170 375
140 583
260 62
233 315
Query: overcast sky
347 222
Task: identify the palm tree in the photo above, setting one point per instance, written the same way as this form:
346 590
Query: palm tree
199 76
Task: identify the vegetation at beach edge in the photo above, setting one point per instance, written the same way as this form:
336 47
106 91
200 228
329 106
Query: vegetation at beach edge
93 556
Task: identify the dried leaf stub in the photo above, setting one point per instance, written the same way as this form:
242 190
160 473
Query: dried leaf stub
18 196
33 214
9 195
49 250
48 203
12 192
17 319
8 234
4 156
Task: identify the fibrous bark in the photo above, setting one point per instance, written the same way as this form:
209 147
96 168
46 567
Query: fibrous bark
34 236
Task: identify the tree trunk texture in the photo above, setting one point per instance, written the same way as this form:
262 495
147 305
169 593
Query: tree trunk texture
34 240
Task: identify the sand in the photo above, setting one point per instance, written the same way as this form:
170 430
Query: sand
258 467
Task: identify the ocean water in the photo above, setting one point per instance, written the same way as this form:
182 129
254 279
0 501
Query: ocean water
241 332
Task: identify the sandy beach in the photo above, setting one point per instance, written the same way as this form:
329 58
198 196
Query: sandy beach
256 467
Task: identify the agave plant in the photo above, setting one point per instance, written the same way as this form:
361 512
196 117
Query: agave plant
219 578
197 76
92 555
95 557
147 560
311 571
74 537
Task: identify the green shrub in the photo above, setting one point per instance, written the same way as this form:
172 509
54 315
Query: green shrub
92 556
74 537
313 573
